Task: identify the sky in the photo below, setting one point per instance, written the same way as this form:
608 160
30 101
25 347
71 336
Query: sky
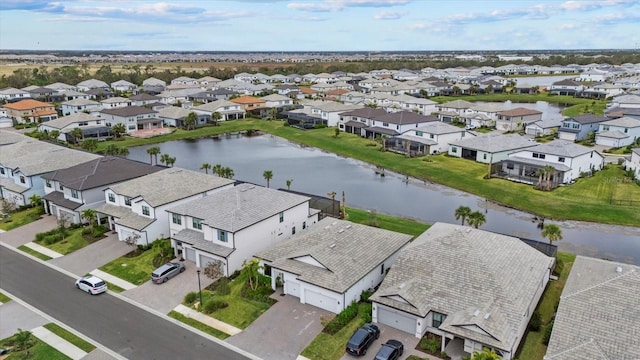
319 25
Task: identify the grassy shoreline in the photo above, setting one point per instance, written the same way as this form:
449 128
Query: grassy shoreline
587 200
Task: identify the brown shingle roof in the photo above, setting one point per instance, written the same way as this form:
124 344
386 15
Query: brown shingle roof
247 100
27 104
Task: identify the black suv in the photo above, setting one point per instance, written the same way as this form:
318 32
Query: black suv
392 350
362 338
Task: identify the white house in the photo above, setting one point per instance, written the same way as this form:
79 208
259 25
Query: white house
70 191
225 109
115 102
232 225
277 101
90 125
432 138
132 117
488 148
543 127
472 287
80 105
396 123
136 209
13 94
333 262
412 103
516 119
568 159
92 84
633 162
175 116
566 87
23 163
618 132
124 86
143 99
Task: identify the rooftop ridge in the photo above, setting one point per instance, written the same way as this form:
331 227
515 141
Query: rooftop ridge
591 341
628 273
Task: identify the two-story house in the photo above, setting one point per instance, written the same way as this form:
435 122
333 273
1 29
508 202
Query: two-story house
432 138
355 121
72 190
115 102
233 224
91 84
580 127
136 209
566 87
618 132
277 101
249 103
31 111
13 94
516 119
91 126
132 117
392 124
225 110
80 105
143 99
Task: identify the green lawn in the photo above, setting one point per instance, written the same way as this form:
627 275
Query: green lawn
19 218
198 325
532 347
4 298
39 351
136 269
32 252
331 347
70 337
72 242
402 225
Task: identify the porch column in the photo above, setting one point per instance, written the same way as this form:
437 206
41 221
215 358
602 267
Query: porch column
442 346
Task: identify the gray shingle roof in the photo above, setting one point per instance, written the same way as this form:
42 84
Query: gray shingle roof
563 148
365 112
11 137
494 142
588 118
239 207
438 127
196 239
405 117
169 185
599 309
456 271
348 252
128 111
173 112
125 217
35 157
625 121
63 122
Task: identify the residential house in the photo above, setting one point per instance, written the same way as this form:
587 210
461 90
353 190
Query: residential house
46 94
225 110
355 121
633 162
177 96
598 316
115 102
432 138
602 90
61 87
333 262
91 126
92 84
5 120
618 132
543 127
233 224
154 82
124 86
566 87
13 94
580 127
625 101
100 93
328 112
143 99
72 190
452 110
207 81
132 117
516 119
175 116
73 95
568 159
80 106
488 148
184 80
277 101
31 111
137 209
249 103
213 95
23 163
474 288
405 102
392 124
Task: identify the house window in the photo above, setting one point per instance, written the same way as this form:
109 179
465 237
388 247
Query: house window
304 225
382 269
626 131
74 194
576 126
454 149
438 319
281 216
2 170
605 128
22 180
176 219
197 224
127 201
112 198
222 235
418 133
539 156
484 156
48 183
293 230
431 136
385 124
561 159
145 210
510 166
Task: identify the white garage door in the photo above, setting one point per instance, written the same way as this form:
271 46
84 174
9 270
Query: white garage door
565 135
396 319
292 288
190 254
205 260
320 300
124 234
532 131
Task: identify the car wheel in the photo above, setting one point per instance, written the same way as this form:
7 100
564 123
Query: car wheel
182 269
89 292
377 335
165 279
77 286
364 351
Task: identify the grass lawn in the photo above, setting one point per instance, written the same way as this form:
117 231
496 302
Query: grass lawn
331 347
4 298
198 325
70 337
114 288
532 347
134 269
19 218
401 225
72 242
39 351
32 252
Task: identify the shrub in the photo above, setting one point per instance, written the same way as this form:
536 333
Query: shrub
261 293
342 319
52 239
547 333
86 231
99 230
222 287
213 305
557 270
430 343
364 296
365 312
535 322
191 297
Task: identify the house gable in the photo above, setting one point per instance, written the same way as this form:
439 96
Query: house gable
308 259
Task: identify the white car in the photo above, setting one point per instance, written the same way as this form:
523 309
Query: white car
91 284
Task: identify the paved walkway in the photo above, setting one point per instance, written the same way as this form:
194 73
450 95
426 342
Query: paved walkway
113 279
58 343
214 323
27 233
43 250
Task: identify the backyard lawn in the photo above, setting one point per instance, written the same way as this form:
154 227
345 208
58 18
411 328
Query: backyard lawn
137 266
401 225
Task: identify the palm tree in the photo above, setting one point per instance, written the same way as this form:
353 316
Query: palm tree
548 171
153 152
463 212
540 175
118 130
165 159
77 134
288 182
53 135
89 215
205 167
227 172
216 117
112 149
35 200
170 161
552 232
268 175
190 121
123 151
273 113
217 169
90 144
477 219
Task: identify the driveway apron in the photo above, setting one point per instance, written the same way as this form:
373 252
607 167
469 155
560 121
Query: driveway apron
93 256
27 233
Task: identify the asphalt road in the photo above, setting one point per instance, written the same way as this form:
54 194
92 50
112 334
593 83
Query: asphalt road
124 328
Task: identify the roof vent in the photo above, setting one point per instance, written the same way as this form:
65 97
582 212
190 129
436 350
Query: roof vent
401 285
468 230
334 223
619 269
486 316
348 226
332 246
340 231
476 313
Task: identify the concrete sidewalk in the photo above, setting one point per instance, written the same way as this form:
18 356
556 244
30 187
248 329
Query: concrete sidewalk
43 250
208 320
58 343
113 279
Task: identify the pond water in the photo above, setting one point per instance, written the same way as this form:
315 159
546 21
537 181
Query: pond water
319 172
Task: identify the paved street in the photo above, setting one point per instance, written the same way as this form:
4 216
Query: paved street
120 326
91 257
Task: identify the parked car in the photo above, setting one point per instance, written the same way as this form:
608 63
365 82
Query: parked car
166 272
391 350
91 284
362 339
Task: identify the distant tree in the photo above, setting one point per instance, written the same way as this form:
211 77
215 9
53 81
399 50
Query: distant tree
216 116
77 134
268 175
205 167
462 213
165 159
552 232
273 113
477 219
190 121
227 172
171 160
217 169
288 183
112 149
153 153
117 130
485 354
90 145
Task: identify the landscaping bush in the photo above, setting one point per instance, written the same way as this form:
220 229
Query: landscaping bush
222 287
99 230
557 270
261 293
535 322
342 319
86 231
213 305
547 333
364 296
52 238
365 312
191 297
430 343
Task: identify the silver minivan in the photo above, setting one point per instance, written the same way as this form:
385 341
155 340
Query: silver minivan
166 272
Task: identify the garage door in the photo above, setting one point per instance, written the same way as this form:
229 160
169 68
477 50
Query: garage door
320 300
292 288
124 234
396 319
205 260
190 254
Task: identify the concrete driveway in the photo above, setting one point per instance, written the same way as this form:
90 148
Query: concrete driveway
165 297
283 331
387 332
16 316
26 233
93 256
